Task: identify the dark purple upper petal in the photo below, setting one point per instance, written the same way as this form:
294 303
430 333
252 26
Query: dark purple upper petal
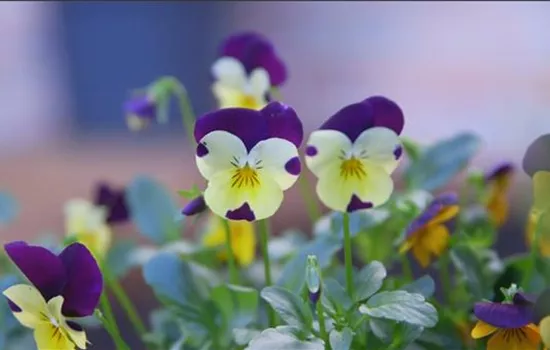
283 122
537 156
503 315
432 210
502 169
114 201
195 206
386 113
84 281
351 120
140 106
42 267
254 51
521 298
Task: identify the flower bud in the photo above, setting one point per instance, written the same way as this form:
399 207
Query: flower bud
313 278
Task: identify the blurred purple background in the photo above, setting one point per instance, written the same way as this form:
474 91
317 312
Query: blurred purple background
66 68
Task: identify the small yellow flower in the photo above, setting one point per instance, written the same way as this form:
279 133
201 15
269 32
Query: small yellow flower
499 181
87 224
243 239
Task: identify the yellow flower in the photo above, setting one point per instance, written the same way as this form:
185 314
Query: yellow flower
428 236
243 239
521 338
545 331
87 224
234 88
499 181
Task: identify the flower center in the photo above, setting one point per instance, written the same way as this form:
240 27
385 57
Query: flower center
245 177
248 101
352 167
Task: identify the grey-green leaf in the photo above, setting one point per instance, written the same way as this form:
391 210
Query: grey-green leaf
243 336
238 304
334 297
8 208
274 339
369 280
424 286
401 306
289 307
341 340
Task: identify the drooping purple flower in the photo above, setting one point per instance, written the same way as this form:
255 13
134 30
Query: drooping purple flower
503 169
255 51
194 207
114 200
140 111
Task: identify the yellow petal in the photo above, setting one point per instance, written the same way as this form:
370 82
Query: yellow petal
444 215
31 303
223 148
78 337
541 191
243 242
514 339
87 223
274 154
378 145
482 330
50 337
544 235
497 208
421 255
229 97
435 239
324 149
545 330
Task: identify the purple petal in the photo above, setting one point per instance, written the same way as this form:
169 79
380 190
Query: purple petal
242 213
13 306
196 206
84 281
356 204
114 201
247 124
537 156
503 315
293 166
283 122
351 120
501 170
521 298
75 326
398 152
311 151
42 267
201 150
140 106
432 210
386 113
254 51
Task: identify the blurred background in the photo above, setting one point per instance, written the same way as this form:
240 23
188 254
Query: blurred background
67 67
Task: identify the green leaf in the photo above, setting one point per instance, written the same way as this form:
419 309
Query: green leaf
119 258
238 304
398 334
9 208
411 148
369 280
542 305
153 209
401 306
424 286
293 274
276 339
334 297
289 307
193 193
439 163
341 340
467 262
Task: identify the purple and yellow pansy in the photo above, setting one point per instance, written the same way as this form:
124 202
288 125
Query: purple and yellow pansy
499 181
140 111
354 153
249 158
245 71
428 235
509 325
63 287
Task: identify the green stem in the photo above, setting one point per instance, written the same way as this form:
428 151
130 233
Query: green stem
109 322
186 110
444 275
407 270
322 326
233 273
312 205
263 231
348 255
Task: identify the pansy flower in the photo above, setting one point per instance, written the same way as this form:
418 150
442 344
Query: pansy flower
112 199
243 239
428 235
510 325
87 224
249 158
499 181
245 71
354 153
140 111
64 287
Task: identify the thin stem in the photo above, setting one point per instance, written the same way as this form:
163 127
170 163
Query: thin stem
233 273
322 326
263 231
109 322
407 270
186 110
312 205
348 255
444 275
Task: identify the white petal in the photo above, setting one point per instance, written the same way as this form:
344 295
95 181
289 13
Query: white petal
223 149
378 146
277 157
325 147
337 192
263 199
230 71
259 82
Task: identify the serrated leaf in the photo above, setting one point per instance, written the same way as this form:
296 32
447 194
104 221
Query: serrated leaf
424 286
274 339
238 304
369 280
8 208
153 209
288 306
401 306
341 340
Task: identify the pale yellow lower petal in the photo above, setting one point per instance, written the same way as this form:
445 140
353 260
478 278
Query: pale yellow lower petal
274 154
31 303
55 306
50 337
